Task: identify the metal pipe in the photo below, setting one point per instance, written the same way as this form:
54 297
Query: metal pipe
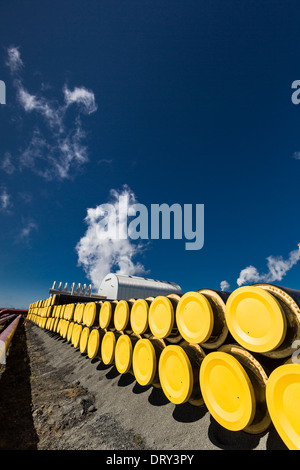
6 318
6 337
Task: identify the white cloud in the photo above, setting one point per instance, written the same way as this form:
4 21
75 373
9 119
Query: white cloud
26 231
99 250
5 200
296 155
224 285
56 148
277 269
81 96
14 61
7 164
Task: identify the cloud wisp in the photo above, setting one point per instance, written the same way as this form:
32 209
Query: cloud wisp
26 231
99 251
56 148
277 266
5 200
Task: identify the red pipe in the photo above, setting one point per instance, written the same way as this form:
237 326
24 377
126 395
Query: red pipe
16 311
6 318
6 337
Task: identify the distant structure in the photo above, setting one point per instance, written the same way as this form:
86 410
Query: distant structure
117 287
123 287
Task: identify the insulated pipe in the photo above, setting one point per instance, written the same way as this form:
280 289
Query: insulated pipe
94 343
162 321
6 318
16 311
91 313
6 337
123 352
122 314
200 317
106 315
84 336
78 312
265 318
139 316
283 397
219 334
178 368
145 360
108 345
233 384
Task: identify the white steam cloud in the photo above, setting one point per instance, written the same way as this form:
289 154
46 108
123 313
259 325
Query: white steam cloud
99 250
224 285
277 269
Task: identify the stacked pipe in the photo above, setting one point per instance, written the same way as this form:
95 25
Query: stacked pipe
231 352
9 321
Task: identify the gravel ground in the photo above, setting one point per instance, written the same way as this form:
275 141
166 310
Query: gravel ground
55 398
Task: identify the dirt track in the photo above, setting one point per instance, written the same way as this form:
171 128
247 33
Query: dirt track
53 397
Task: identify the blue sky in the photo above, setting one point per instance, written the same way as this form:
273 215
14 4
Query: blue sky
184 102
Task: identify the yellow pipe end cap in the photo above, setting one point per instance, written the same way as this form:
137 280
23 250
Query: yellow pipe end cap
105 315
139 316
108 347
93 344
255 319
89 315
123 354
144 362
77 335
84 339
194 317
121 316
161 317
70 331
175 374
283 398
227 391
79 311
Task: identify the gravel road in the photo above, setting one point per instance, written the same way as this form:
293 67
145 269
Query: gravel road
54 397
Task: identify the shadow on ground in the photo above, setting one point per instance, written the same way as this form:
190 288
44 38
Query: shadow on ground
17 430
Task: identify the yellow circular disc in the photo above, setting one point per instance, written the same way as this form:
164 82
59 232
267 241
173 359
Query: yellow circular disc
123 354
73 333
108 347
144 362
77 334
70 330
84 339
78 314
105 315
90 312
227 391
175 374
139 316
93 344
283 398
194 317
66 311
161 317
71 311
255 319
66 328
121 315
